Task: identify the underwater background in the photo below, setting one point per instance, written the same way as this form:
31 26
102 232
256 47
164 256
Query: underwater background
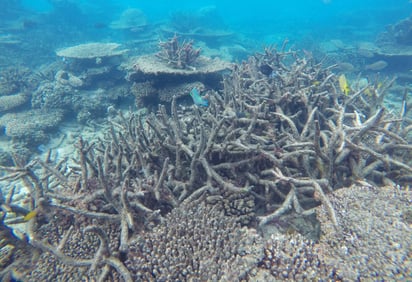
267 22
205 140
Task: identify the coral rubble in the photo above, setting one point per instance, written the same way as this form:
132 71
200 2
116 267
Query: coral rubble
163 193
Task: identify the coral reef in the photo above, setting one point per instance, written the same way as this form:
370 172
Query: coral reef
83 92
150 65
90 65
156 81
279 139
375 241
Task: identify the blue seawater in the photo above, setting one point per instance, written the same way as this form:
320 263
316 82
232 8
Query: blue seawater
263 19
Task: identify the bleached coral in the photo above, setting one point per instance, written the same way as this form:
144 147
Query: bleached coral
181 248
91 51
10 102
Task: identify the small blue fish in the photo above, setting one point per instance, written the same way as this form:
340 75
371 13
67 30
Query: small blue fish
197 99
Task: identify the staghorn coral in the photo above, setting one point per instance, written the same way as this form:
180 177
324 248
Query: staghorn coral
178 55
278 140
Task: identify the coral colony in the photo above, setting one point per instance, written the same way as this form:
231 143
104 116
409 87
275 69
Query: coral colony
198 193
178 55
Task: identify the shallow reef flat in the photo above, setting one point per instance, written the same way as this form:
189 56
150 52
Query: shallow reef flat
289 172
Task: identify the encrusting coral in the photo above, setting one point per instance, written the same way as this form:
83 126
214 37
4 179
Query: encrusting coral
279 139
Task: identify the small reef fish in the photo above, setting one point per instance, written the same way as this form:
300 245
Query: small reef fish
345 67
198 99
377 66
344 85
30 215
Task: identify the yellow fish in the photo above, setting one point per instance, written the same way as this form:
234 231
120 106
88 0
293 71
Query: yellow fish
343 84
30 215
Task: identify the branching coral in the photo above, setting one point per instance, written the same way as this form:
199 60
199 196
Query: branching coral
180 56
279 138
